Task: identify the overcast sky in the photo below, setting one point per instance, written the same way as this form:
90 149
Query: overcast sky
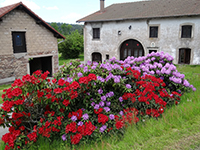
66 11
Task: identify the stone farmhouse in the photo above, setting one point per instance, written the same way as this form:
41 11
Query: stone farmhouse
27 43
139 28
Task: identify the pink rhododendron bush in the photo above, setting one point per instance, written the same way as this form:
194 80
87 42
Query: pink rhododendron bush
83 102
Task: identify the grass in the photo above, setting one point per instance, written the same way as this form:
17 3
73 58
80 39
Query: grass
177 129
1 90
62 60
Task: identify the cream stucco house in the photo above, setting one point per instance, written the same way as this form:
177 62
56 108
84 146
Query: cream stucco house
27 43
139 28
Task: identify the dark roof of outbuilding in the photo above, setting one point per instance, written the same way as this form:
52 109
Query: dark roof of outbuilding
5 10
145 10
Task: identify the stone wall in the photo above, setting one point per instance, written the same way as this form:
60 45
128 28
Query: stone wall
40 42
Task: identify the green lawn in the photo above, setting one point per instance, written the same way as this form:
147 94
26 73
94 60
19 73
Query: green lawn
177 129
62 60
1 90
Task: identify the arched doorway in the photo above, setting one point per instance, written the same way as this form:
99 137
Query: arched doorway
96 57
131 48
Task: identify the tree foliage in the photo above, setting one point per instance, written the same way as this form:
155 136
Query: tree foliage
72 46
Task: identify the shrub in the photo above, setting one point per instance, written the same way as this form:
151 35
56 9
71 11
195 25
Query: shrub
72 46
82 102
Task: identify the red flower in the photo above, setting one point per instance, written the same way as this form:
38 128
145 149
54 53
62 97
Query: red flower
40 94
161 110
57 90
71 128
75 85
54 80
91 77
99 111
61 82
119 124
83 80
18 83
32 136
18 102
66 102
76 138
81 129
89 129
102 118
38 72
16 92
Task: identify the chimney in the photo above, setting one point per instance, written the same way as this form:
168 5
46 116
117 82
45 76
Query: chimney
102 5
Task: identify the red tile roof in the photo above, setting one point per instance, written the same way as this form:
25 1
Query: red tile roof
5 10
146 9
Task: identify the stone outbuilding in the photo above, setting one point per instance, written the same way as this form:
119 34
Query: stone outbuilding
27 43
139 28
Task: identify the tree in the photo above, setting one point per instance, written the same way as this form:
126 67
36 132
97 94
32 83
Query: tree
72 46
55 26
66 29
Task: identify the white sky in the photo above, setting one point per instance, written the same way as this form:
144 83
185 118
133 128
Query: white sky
66 11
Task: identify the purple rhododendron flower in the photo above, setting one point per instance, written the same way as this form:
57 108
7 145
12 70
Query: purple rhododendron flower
121 113
186 83
103 98
120 99
107 109
64 137
80 123
101 103
111 116
128 86
73 118
88 93
85 116
108 103
100 91
93 67
96 106
103 128
79 74
69 79
93 103
85 69
162 78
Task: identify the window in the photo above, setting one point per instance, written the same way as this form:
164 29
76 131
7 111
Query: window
186 31
107 57
184 56
153 32
150 51
96 33
19 42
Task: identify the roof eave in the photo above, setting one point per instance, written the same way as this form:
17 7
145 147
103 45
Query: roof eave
123 19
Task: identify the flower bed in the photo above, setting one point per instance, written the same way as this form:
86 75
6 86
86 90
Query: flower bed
83 102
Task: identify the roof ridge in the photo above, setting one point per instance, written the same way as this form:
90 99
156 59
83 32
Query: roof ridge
132 2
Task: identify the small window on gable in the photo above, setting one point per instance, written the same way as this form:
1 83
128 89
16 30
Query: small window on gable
186 31
19 42
153 32
96 33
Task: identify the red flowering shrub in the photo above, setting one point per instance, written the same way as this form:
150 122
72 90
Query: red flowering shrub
99 101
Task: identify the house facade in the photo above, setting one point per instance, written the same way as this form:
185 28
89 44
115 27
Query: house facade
139 28
27 43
